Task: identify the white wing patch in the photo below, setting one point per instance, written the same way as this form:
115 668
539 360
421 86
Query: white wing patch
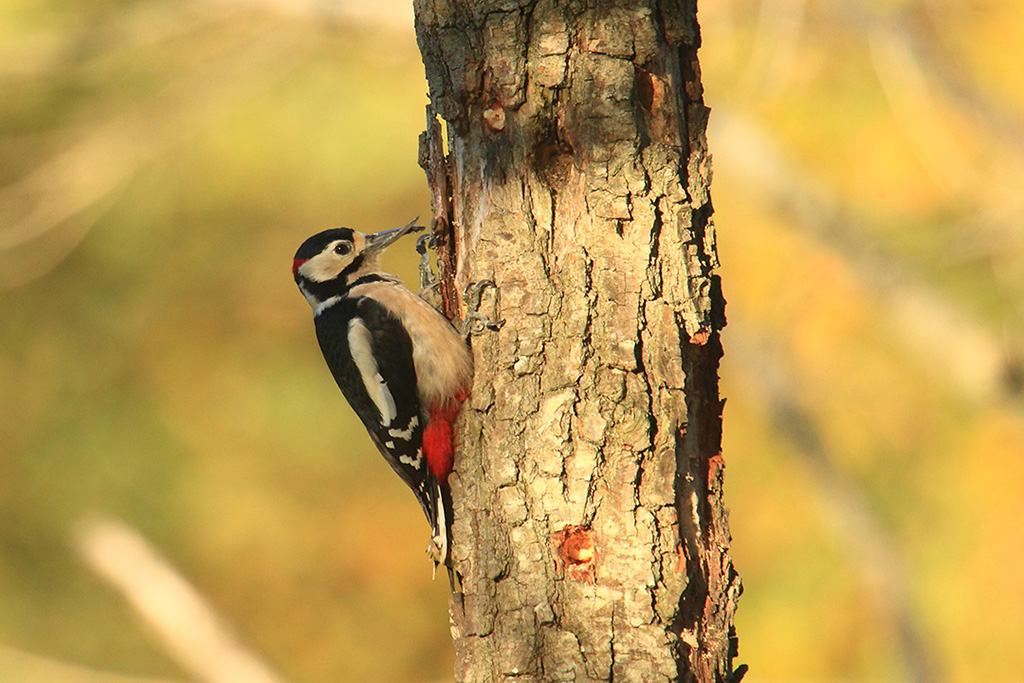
406 434
411 462
416 462
360 344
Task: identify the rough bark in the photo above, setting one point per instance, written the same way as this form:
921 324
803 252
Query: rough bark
589 525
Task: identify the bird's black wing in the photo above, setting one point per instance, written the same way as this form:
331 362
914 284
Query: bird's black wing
370 355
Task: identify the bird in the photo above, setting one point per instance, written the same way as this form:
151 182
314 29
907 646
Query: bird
400 364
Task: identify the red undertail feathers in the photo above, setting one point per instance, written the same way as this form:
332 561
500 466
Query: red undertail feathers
438 441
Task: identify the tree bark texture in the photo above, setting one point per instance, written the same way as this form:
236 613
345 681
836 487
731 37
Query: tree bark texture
566 150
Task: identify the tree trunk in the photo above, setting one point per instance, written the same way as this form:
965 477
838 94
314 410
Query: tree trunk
589 527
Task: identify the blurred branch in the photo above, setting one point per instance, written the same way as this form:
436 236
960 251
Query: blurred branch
871 546
973 357
906 88
24 667
918 75
776 44
185 624
45 215
392 14
940 69
58 191
914 73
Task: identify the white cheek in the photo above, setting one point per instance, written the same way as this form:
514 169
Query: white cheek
322 267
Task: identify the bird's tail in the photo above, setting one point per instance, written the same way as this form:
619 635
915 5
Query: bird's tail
441 547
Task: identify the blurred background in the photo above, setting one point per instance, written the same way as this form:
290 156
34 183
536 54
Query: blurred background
163 400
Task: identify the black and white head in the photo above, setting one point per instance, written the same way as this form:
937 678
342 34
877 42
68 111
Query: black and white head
330 262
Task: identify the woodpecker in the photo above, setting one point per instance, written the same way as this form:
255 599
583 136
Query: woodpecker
400 364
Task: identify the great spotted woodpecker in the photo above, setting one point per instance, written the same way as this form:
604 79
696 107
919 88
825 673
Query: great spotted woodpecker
400 363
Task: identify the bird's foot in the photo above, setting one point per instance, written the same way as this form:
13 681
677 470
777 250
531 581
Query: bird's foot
476 322
429 282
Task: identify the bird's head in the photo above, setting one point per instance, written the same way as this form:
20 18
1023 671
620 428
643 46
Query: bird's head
329 262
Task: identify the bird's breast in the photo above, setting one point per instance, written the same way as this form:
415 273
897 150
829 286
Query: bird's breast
444 366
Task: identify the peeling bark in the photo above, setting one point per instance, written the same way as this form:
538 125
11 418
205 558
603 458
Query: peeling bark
589 525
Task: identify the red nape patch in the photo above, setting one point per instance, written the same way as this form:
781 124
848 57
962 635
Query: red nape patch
295 266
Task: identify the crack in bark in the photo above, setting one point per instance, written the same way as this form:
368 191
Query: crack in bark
697 445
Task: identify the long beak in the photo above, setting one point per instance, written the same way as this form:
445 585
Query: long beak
380 240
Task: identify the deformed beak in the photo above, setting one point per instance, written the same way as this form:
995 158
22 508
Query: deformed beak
380 240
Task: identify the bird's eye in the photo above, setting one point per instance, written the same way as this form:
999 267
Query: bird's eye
343 249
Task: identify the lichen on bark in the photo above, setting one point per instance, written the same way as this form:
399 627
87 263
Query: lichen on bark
589 527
